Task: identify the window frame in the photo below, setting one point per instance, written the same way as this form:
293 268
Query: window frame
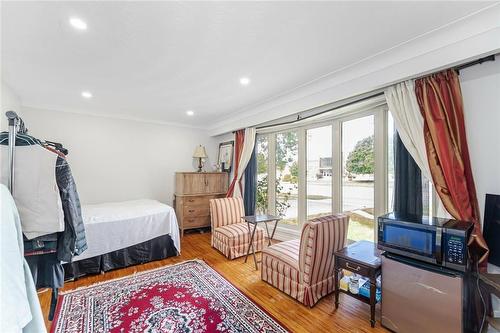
380 113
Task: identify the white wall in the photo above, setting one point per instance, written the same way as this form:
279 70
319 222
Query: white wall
481 94
9 101
467 39
116 160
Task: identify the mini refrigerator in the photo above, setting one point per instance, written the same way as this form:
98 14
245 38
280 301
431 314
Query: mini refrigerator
418 297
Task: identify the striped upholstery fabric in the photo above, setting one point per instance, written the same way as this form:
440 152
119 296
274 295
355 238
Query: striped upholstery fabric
226 211
280 267
229 234
232 240
305 269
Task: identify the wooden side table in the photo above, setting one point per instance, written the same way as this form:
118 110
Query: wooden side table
362 258
490 284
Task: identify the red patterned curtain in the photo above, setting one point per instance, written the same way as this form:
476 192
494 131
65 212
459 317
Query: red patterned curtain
440 100
239 140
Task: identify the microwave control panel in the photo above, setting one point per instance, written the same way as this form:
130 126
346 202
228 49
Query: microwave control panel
455 249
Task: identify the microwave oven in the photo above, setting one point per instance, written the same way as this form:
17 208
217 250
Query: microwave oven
430 239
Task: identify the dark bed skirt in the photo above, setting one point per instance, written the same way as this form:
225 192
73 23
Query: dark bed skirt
155 249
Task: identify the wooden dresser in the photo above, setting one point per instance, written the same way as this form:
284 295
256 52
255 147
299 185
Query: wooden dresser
193 190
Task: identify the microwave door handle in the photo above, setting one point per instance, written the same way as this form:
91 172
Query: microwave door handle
439 253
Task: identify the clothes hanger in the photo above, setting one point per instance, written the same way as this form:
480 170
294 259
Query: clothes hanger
58 146
26 140
4 136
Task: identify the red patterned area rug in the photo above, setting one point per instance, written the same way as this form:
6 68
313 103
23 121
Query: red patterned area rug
186 297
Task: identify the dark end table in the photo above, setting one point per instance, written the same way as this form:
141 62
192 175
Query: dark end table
254 220
362 258
489 284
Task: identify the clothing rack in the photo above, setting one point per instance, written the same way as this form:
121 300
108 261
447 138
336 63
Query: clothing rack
16 125
14 120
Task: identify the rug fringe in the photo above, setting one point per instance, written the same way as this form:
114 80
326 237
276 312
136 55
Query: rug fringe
135 273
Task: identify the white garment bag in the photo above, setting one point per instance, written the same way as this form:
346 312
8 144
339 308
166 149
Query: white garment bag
35 190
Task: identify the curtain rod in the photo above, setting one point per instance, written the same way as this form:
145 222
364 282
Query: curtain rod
299 118
475 62
458 68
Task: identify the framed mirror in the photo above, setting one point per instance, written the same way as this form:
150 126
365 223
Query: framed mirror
225 157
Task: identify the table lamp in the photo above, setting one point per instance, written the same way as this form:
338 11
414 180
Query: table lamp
200 153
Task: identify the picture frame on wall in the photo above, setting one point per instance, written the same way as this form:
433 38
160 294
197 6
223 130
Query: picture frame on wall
225 157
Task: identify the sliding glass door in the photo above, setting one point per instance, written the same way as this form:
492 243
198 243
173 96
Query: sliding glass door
262 195
287 177
333 166
358 176
319 172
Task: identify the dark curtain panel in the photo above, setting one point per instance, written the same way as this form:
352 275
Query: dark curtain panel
407 181
249 197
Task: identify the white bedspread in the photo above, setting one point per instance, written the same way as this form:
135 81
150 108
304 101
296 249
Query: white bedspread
117 225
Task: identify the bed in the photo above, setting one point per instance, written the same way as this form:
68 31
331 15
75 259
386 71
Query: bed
126 233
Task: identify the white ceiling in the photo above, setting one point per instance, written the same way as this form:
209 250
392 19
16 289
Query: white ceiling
155 60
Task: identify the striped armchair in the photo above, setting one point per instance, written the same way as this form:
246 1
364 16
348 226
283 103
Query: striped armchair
304 268
230 234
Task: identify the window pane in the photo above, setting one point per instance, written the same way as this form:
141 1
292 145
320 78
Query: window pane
427 196
358 163
287 176
319 171
262 174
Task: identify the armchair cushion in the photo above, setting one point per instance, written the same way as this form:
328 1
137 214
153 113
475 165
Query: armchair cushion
230 233
226 211
233 239
280 268
304 269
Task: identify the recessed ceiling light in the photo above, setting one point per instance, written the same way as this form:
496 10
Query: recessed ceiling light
244 81
190 113
86 94
78 23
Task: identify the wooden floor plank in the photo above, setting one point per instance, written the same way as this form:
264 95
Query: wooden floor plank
352 315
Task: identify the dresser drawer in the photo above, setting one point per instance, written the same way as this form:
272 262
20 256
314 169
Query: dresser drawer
353 267
196 211
193 222
196 201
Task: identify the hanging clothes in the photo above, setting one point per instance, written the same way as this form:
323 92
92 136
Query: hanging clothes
20 309
47 270
35 189
72 240
40 245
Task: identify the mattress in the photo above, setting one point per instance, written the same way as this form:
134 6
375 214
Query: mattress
117 225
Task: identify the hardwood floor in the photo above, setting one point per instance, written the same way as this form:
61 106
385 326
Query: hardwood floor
351 316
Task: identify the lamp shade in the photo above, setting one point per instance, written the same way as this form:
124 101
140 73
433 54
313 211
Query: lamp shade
200 152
